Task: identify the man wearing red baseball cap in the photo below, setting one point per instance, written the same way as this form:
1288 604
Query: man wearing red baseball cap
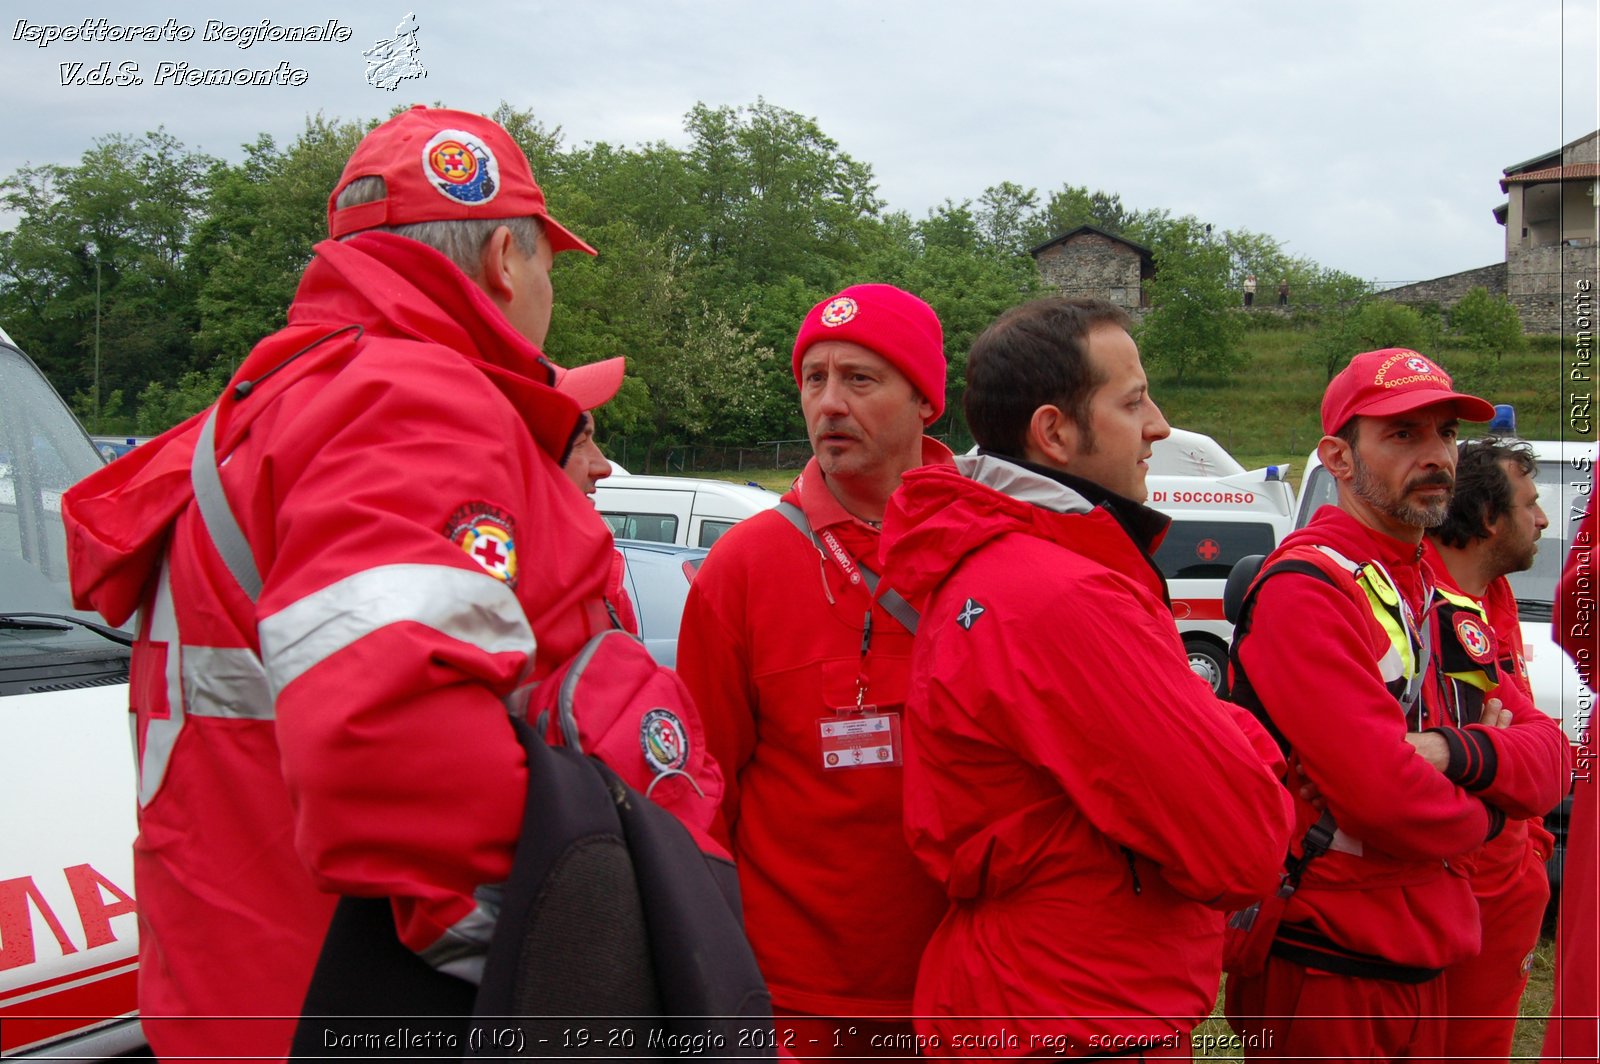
1332 651
799 659
342 570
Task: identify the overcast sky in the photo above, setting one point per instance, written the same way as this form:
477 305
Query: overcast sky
1367 135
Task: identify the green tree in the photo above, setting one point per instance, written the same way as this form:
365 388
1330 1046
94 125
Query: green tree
162 406
1367 325
98 248
1488 323
1189 327
262 220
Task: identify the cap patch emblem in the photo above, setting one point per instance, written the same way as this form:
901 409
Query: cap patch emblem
488 536
663 741
461 167
1474 640
970 612
838 311
1409 368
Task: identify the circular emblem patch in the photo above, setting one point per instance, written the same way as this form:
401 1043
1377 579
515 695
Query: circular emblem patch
664 742
1474 640
488 536
461 167
1419 365
838 311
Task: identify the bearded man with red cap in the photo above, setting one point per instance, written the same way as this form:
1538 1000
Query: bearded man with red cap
341 571
1334 651
798 658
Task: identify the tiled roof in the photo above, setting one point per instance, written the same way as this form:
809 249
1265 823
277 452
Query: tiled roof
1554 173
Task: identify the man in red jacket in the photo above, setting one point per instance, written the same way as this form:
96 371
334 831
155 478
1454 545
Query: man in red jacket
1334 656
798 660
323 655
1492 529
1087 804
1574 1030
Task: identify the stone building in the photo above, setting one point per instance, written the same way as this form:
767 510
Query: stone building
1551 223
1092 262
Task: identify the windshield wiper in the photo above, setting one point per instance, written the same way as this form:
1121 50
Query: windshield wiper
60 622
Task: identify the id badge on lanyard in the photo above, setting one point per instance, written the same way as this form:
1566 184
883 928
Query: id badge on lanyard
864 735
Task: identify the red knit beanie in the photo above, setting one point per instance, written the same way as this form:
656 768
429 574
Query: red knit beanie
889 322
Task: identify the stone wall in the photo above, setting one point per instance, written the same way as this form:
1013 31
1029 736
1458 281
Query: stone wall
1447 291
1540 281
1092 265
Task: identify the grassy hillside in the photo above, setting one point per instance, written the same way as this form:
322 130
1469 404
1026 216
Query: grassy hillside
1268 411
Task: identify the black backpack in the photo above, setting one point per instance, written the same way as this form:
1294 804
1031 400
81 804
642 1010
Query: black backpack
617 936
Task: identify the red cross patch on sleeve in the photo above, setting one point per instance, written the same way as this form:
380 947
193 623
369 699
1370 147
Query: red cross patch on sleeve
488 536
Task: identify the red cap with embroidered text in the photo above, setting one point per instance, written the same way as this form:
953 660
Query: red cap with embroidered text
1393 381
443 165
889 322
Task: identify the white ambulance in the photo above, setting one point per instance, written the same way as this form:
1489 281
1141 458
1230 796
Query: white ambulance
69 943
1220 512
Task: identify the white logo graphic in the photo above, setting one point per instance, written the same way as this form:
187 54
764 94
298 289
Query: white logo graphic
1418 365
395 60
969 614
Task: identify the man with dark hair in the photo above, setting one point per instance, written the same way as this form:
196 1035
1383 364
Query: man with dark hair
1491 530
798 660
1333 650
1067 775
341 572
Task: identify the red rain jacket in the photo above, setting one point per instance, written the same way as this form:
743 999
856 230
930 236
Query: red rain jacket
1312 657
836 907
1089 808
421 554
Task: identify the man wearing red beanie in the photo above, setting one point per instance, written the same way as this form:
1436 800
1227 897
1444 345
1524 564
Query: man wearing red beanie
798 658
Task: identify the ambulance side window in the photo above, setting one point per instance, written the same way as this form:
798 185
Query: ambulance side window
1206 550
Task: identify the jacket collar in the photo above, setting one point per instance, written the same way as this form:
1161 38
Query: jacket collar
1055 489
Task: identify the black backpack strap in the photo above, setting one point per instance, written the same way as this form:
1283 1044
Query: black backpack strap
1241 693
891 600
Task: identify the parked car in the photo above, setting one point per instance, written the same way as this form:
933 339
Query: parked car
69 940
680 510
657 578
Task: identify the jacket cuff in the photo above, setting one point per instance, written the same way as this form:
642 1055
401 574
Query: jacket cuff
1497 821
1473 759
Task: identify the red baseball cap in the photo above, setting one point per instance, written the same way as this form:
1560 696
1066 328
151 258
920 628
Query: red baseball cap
889 322
591 385
442 165
1392 381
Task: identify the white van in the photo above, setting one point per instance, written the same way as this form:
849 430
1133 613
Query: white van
1220 512
680 510
69 939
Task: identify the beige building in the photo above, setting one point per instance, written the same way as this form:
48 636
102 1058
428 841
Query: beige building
1551 222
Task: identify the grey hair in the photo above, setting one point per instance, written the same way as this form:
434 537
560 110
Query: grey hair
459 240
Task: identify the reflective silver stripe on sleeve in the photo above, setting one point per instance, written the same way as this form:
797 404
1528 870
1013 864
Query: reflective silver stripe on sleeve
464 604
225 682
462 950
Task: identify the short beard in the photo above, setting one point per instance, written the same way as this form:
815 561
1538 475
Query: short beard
1418 515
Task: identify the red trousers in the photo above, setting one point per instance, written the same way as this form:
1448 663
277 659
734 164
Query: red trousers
1483 993
1290 1012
